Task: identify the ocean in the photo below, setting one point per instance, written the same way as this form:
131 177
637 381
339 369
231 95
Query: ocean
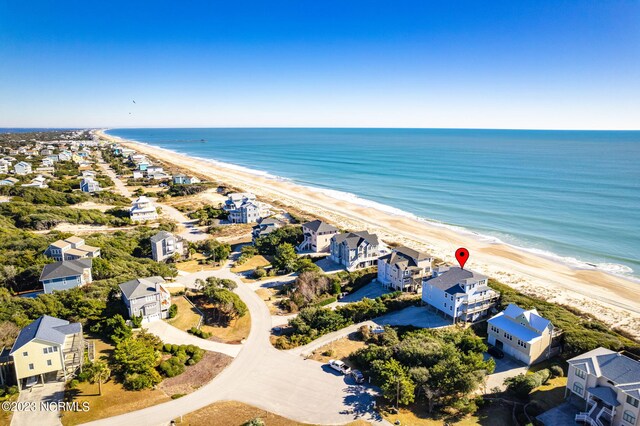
569 195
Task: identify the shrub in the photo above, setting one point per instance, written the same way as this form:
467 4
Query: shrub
254 422
73 384
259 272
173 310
177 395
522 384
556 371
171 367
139 381
136 322
329 352
545 375
199 333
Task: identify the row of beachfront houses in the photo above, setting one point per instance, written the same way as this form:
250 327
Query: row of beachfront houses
144 168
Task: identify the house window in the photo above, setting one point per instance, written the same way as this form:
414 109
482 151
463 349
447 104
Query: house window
521 343
25 353
55 349
44 350
632 401
508 336
577 388
48 362
629 417
581 373
30 366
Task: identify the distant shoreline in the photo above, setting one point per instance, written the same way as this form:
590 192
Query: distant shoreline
609 297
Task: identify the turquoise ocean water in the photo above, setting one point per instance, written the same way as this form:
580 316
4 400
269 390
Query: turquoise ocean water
571 195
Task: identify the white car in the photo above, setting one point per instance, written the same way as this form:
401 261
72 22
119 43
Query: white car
339 366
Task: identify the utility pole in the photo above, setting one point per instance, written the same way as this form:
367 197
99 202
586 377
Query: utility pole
397 394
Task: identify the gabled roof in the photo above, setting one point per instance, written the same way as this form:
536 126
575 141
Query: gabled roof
404 258
162 235
450 279
620 369
140 287
531 316
60 244
66 268
355 239
48 329
75 240
319 226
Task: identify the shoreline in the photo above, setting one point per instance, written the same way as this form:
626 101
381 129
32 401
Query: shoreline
611 298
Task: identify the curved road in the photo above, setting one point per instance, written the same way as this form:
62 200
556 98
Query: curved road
276 381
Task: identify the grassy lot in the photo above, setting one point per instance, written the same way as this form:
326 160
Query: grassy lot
237 330
340 349
551 394
114 400
251 264
417 415
195 376
187 316
270 297
5 416
193 264
232 413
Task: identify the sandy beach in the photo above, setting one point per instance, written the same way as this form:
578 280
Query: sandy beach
612 299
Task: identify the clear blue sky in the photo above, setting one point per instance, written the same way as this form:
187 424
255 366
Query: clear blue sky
483 64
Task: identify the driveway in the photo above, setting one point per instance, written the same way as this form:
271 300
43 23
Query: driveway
50 392
277 381
505 368
370 291
329 266
120 186
171 334
192 232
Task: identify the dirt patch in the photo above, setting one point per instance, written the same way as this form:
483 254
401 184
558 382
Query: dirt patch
340 349
271 298
195 376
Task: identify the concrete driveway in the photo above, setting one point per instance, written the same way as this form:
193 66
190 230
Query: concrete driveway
51 393
171 334
505 368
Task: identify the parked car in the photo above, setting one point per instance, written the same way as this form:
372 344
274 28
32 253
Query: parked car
339 366
357 376
495 352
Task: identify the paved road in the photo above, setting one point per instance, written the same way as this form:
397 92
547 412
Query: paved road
171 334
280 382
120 186
192 232
505 368
51 393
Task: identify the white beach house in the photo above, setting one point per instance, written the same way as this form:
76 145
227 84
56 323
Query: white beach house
317 236
404 269
143 209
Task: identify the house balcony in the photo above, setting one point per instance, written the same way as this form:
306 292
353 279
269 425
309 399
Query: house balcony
601 406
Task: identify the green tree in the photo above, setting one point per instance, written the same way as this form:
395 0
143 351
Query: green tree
285 258
117 329
396 384
99 372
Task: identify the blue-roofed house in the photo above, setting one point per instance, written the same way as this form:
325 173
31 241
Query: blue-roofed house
608 385
522 334
66 274
459 294
48 349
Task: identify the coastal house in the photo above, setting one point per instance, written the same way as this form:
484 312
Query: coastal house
22 168
64 156
404 269
4 167
66 274
37 182
266 226
46 162
137 174
154 169
522 334
607 385
165 245
9 181
459 294
71 248
242 207
146 297
181 179
236 199
355 250
143 209
317 236
157 175
88 173
88 184
47 350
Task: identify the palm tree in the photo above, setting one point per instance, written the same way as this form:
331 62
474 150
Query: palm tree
100 373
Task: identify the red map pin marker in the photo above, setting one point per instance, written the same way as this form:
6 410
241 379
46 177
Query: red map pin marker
462 254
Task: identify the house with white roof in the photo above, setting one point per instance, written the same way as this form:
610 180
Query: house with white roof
146 297
88 184
242 207
9 181
607 383
356 250
181 179
47 350
404 269
459 294
522 334
143 209
4 167
317 236
22 168
70 249
37 182
66 275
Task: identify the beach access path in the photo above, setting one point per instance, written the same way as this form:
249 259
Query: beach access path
277 381
106 168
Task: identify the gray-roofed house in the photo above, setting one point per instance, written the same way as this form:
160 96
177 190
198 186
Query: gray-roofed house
165 245
356 250
89 184
266 226
317 236
49 349
71 248
607 384
523 334
460 294
181 179
146 297
66 274
404 269
22 168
